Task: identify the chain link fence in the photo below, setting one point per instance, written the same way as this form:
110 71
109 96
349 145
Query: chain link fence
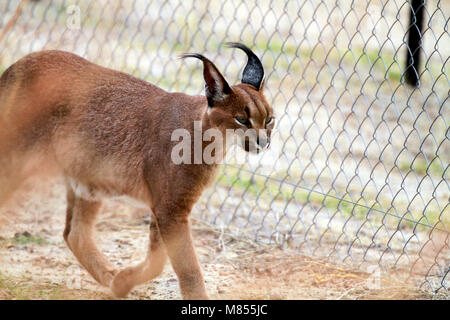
358 168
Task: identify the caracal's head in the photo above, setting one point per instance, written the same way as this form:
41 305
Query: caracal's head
242 107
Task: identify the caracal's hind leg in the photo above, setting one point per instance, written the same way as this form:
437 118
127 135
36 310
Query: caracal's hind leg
148 269
80 223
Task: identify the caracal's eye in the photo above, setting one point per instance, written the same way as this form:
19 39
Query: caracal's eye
241 120
269 120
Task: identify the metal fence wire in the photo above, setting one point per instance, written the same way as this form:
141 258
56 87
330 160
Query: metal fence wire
358 168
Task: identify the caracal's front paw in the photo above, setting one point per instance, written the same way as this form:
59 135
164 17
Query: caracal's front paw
122 283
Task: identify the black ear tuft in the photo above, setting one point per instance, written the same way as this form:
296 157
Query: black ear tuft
253 72
216 87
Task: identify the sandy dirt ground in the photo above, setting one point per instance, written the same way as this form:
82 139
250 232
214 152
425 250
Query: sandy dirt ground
35 262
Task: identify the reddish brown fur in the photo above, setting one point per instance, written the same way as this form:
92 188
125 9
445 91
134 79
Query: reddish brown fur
111 132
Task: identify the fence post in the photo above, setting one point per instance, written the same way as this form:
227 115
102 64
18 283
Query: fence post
415 42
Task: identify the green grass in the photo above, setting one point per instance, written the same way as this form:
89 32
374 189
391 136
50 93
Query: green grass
22 239
18 289
277 47
25 288
248 184
375 61
381 63
421 167
261 187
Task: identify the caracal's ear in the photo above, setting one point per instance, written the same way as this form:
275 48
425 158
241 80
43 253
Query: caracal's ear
254 71
216 87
